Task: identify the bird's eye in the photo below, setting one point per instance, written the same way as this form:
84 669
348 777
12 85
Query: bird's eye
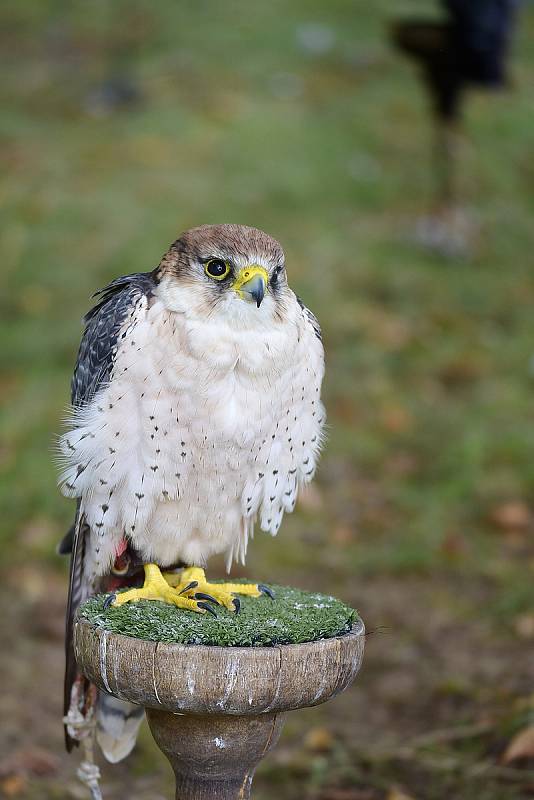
217 268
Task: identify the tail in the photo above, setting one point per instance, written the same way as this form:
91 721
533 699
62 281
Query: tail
118 722
78 591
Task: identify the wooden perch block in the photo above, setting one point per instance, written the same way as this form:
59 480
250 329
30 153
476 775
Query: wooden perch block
216 711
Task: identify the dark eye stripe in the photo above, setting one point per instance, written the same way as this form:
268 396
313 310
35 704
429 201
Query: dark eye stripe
276 274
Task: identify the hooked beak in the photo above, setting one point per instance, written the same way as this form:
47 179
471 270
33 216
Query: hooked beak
251 284
255 287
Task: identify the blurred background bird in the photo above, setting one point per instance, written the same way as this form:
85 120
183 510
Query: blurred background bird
468 47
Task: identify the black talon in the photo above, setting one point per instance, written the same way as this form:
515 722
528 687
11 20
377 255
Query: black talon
237 604
265 590
207 607
208 597
188 587
110 599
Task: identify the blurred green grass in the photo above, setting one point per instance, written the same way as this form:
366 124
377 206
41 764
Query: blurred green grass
430 366
429 378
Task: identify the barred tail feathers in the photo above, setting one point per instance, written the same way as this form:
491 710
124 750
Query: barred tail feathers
118 723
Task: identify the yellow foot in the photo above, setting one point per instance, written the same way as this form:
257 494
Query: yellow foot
191 582
156 588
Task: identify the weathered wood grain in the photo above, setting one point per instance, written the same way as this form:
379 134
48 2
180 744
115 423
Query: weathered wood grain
216 711
196 679
214 757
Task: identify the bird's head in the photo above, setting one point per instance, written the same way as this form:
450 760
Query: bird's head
224 269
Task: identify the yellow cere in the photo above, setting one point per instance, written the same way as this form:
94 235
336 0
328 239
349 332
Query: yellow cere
247 273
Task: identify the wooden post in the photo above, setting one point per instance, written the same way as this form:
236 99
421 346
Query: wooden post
214 757
216 711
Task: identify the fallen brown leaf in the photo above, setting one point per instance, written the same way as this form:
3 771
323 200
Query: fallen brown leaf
524 625
396 419
13 786
521 746
342 534
319 740
511 515
453 545
344 409
29 761
398 794
460 372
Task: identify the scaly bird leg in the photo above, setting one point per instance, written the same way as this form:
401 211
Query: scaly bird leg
156 587
192 582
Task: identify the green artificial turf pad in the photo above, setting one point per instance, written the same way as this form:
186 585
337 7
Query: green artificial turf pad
292 617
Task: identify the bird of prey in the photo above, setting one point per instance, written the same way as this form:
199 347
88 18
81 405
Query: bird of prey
196 414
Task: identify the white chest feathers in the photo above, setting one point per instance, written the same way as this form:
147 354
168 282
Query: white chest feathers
203 429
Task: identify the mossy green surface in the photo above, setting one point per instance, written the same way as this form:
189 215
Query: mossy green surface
292 617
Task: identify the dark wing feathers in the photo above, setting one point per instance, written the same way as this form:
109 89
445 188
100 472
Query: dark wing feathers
312 319
76 588
102 325
64 547
93 369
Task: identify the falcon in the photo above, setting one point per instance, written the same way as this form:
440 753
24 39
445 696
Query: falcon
196 415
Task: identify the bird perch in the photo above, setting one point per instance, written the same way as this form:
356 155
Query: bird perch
216 711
